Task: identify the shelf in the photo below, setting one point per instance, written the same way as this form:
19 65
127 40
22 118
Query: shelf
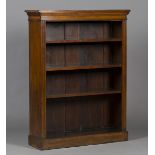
66 68
83 94
51 135
82 41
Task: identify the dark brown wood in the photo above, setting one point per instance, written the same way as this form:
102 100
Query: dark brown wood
93 139
37 78
83 55
83 94
82 41
52 69
124 67
78 15
77 77
72 115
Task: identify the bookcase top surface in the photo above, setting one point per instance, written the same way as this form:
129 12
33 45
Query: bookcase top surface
78 11
73 15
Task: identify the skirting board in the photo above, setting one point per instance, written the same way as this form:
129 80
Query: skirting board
45 144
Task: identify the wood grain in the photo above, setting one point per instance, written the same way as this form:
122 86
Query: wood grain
37 76
124 76
78 15
45 144
77 77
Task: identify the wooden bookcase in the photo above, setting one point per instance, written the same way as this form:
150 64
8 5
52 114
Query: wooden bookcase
77 77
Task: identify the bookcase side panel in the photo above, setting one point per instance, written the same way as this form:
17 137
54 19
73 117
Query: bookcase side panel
124 76
37 79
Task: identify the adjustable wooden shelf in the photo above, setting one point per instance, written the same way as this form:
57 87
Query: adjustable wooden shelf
77 77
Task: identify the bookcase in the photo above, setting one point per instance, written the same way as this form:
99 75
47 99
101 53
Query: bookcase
77 77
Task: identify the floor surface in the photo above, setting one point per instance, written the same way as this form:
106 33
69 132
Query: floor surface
137 145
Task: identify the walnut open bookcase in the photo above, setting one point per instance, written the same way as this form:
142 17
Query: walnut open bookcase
77 77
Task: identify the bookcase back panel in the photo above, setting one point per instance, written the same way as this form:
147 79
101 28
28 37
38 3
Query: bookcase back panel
86 81
55 31
82 55
83 30
89 114
82 115
91 31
